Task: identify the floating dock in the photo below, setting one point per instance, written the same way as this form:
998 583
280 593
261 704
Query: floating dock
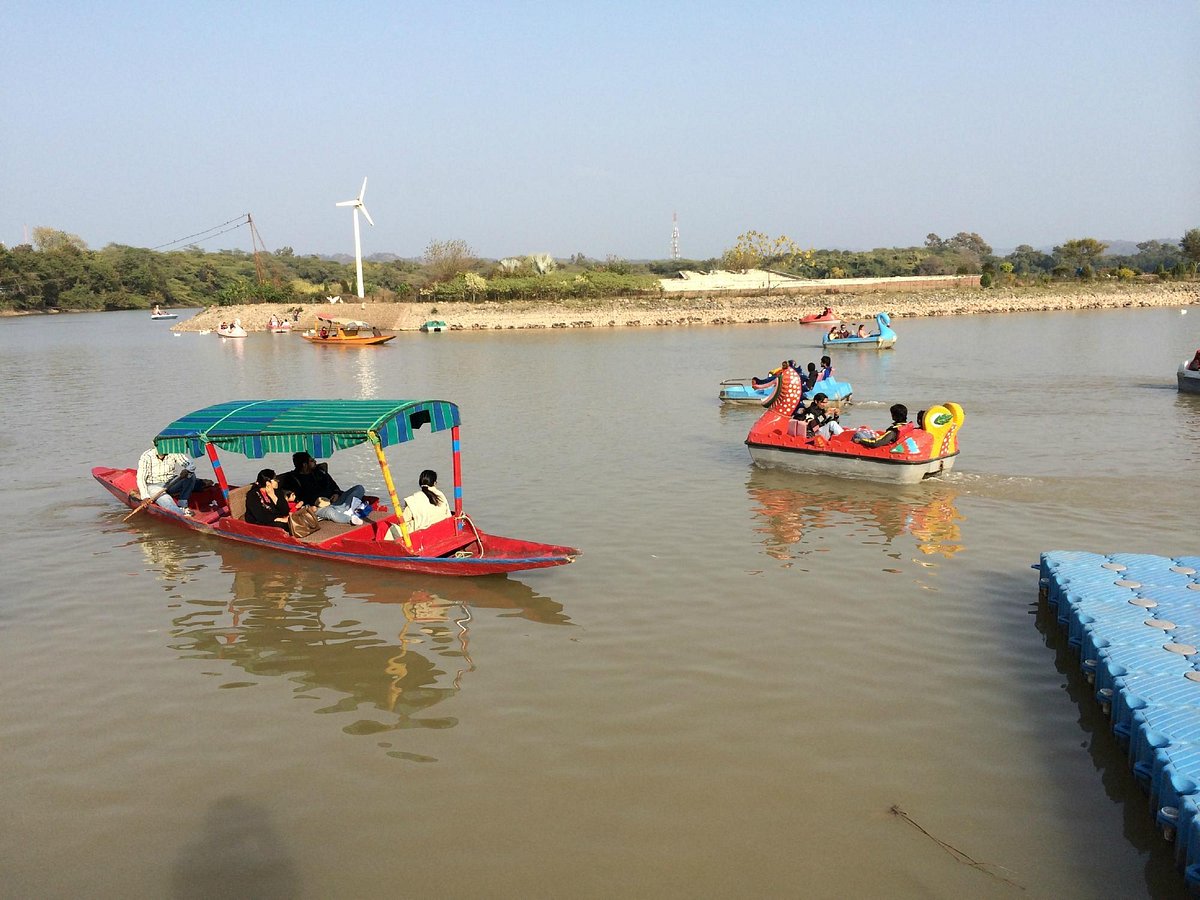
1134 619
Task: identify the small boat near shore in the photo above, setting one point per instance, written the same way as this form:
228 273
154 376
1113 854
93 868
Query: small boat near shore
252 428
883 338
828 317
163 315
433 326
232 329
1188 378
924 450
331 332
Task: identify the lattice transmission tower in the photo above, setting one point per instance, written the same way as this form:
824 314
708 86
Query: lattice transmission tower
674 236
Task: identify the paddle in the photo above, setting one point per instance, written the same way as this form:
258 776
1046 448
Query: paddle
137 509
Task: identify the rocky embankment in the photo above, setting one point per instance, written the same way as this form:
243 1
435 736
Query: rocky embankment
671 310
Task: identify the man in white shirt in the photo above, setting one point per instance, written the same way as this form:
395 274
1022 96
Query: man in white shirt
172 474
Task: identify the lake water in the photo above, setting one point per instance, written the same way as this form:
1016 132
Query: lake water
725 696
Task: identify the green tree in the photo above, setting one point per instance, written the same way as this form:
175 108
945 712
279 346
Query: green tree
51 239
754 249
1081 253
446 259
1190 245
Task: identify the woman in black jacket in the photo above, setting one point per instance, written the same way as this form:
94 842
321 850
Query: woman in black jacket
263 505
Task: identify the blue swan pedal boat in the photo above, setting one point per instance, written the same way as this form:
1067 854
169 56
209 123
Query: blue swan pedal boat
882 338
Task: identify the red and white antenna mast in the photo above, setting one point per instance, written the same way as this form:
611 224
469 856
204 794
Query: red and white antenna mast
674 235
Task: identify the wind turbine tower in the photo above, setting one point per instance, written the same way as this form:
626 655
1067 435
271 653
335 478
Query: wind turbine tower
674 235
357 203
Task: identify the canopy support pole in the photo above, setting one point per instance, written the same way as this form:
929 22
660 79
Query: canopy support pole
456 450
391 487
218 470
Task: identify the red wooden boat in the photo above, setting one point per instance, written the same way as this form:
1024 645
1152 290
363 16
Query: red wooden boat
828 317
453 546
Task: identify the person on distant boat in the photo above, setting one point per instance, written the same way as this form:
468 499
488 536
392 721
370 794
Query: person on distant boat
312 482
324 332
821 419
173 474
272 323
428 505
828 312
843 332
826 368
888 436
224 326
862 331
264 503
1194 365
773 375
157 311
833 333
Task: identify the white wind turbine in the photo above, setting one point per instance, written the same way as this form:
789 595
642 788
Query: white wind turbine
357 203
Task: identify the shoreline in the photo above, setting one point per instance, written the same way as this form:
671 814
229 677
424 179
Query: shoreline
676 311
703 308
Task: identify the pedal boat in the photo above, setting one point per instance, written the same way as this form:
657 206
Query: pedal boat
742 391
923 451
1188 379
882 339
332 332
253 428
829 317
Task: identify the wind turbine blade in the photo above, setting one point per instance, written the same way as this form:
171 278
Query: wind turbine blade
347 203
362 190
367 214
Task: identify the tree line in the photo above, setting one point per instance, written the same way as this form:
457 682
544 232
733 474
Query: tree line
58 270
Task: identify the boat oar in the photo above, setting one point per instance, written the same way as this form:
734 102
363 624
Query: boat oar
137 509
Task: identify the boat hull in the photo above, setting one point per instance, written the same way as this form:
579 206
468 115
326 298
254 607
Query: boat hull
815 462
491 554
820 320
166 316
1189 380
867 343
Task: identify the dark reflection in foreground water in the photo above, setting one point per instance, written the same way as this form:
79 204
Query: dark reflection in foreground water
285 617
789 508
239 854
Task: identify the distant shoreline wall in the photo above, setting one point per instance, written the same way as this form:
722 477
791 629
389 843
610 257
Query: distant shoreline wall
723 309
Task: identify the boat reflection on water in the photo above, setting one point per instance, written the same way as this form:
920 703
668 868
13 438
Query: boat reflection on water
788 513
352 639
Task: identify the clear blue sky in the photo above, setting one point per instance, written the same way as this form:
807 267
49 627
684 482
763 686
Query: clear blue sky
580 127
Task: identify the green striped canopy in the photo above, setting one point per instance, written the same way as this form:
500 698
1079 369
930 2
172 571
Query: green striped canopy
255 428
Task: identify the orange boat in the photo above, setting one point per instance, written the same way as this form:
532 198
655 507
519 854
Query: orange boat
345 333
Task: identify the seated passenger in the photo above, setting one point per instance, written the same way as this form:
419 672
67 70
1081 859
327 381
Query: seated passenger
890 435
264 506
426 506
811 377
833 333
1194 365
770 377
311 482
826 368
821 419
862 331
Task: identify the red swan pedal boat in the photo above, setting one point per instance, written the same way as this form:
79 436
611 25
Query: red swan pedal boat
923 451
